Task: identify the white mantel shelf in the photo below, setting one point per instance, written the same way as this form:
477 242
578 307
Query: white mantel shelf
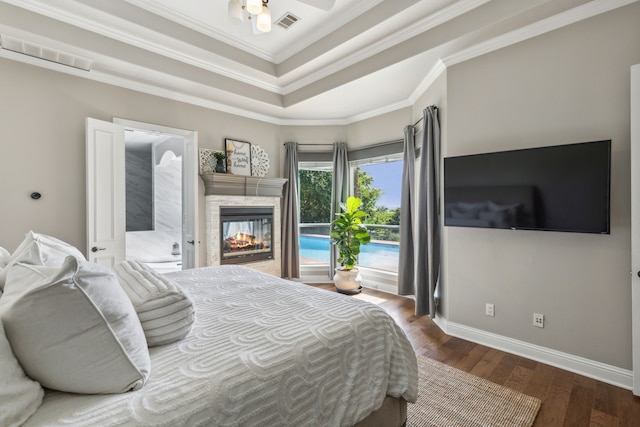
224 184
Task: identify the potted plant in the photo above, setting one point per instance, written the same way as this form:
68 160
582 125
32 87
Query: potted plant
219 164
348 233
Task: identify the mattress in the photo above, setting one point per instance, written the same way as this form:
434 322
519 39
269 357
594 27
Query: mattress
263 352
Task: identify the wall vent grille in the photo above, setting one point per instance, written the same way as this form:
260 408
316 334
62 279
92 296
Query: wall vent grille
287 20
35 50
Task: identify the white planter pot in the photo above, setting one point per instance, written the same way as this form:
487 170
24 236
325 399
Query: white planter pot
348 281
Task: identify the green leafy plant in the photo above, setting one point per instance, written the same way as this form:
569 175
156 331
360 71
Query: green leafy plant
219 155
218 165
348 232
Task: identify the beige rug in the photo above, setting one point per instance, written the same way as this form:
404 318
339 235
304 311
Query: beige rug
449 397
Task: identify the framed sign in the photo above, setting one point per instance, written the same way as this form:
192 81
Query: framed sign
238 157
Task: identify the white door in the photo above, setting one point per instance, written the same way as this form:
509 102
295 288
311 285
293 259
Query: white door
635 224
105 169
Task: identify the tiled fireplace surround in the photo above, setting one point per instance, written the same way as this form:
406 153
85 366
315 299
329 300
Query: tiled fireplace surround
235 192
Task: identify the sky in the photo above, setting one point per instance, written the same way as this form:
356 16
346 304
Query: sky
387 177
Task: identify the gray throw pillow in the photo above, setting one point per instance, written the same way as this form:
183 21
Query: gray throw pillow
74 329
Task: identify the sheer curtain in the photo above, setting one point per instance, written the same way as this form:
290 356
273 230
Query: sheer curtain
339 191
290 245
426 241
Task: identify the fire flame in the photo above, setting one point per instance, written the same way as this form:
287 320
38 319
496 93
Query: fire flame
241 240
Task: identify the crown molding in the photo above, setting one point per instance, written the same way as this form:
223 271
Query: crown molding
200 27
359 55
112 28
379 111
277 58
571 16
428 80
347 16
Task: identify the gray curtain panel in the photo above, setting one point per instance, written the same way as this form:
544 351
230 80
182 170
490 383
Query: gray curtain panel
290 244
419 266
406 267
428 236
339 191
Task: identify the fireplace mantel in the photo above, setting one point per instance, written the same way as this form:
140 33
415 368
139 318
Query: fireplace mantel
223 184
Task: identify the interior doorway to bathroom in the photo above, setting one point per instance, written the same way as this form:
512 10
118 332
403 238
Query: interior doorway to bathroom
153 179
160 206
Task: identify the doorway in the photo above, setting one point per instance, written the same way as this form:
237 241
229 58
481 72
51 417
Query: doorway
154 200
172 245
106 190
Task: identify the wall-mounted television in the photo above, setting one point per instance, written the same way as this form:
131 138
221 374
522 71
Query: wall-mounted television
555 188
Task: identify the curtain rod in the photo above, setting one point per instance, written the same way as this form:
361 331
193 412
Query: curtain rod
313 145
422 118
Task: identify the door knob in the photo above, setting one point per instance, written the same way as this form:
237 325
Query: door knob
191 242
96 249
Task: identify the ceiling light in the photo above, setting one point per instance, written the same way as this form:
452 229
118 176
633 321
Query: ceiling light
254 7
258 13
263 22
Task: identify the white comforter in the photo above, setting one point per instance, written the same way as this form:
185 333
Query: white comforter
263 352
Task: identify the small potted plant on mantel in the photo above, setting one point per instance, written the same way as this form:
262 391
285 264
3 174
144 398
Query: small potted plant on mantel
219 163
348 233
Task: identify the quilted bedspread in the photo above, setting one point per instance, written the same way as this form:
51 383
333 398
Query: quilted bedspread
263 352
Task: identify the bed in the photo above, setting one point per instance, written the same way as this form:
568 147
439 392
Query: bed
262 351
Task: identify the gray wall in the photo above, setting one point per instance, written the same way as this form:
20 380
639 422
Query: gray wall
571 85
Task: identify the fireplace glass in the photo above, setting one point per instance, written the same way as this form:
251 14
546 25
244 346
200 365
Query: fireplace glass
245 234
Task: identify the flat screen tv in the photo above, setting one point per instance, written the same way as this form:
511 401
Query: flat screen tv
556 188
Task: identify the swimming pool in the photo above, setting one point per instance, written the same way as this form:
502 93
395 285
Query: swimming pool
383 256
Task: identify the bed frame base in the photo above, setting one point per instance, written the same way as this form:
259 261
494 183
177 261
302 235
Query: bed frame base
392 413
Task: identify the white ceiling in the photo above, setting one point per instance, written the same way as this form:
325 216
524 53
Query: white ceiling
359 59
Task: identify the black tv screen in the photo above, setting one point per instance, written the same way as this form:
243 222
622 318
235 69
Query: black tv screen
557 188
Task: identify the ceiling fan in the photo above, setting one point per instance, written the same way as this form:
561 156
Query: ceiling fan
320 4
259 14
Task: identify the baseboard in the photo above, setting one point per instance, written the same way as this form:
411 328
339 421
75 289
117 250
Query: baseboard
589 368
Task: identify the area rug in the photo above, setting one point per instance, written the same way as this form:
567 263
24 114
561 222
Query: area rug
449 397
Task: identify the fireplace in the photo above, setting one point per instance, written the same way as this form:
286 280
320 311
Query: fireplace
223 190
245 234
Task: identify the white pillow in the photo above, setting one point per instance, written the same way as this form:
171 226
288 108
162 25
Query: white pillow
164 308
4 257
20 396
40 249
74 329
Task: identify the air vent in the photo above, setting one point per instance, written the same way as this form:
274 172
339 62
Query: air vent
48 54
287 20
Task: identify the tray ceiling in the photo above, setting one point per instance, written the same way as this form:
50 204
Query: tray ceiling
356 60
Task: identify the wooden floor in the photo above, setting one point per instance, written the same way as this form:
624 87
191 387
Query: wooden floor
567 399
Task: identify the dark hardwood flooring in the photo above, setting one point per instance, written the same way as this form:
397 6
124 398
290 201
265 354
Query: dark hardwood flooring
568 399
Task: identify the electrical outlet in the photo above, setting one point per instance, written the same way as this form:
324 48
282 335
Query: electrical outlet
489 310
538 320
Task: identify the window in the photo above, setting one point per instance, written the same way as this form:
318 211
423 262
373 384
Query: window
315 212
379 185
